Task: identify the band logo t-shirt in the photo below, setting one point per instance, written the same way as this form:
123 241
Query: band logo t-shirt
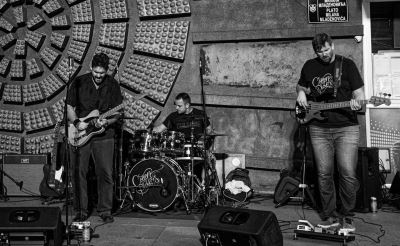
319 77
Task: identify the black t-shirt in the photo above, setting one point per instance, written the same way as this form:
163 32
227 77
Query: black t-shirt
84 96
184 122
319 77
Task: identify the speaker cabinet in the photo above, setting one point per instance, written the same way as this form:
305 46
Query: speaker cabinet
369 177
27 172
29 225
239 227
395 187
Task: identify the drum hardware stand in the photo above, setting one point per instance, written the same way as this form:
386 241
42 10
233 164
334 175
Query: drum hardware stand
123 178
181 190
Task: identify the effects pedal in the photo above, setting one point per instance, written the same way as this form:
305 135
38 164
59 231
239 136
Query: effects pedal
81 231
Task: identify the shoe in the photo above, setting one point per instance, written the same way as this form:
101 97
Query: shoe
330 222
347 213
79 217
348 224
107 218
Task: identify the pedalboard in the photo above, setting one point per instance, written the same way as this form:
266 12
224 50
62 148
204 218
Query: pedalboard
306 230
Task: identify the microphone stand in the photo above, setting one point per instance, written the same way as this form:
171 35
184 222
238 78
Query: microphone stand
207 177
67 155
120 147
3 195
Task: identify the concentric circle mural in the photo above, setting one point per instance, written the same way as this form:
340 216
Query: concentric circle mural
44 44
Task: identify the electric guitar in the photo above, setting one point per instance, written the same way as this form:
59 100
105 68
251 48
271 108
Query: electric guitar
313 110
52 184
78 138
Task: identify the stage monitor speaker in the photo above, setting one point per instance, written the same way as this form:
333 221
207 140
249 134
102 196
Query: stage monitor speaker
239 227
370 179
31 225
26 170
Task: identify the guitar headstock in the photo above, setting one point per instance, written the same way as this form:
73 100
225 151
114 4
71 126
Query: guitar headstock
376 101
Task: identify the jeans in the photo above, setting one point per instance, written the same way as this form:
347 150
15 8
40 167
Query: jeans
340 144
102 151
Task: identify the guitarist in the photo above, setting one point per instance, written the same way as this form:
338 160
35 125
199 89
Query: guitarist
333 78
94 91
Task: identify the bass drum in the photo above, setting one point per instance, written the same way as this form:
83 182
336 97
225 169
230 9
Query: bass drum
155 183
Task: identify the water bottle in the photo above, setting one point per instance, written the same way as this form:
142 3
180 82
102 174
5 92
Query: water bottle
374 205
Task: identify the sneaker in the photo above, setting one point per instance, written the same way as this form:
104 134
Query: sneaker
79 217
107 218
348 224
330 222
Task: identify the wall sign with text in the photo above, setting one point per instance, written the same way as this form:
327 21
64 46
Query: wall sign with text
320 11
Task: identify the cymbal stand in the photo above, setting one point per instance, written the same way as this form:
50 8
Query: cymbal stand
216 190
191 174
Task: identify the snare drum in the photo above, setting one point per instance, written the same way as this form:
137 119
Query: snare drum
191 151
172 141
144 141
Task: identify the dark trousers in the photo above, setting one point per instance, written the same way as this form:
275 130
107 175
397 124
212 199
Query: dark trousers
102 152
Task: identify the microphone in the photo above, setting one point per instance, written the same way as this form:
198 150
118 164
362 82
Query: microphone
70 63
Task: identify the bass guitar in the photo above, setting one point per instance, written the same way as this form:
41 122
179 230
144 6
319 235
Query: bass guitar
78 138
52 184
314 110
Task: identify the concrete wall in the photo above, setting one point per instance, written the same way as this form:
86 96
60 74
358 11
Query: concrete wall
253 51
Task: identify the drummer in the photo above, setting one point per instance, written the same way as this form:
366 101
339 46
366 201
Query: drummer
189 121
185 119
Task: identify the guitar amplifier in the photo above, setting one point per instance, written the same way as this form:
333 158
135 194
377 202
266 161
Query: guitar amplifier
22 174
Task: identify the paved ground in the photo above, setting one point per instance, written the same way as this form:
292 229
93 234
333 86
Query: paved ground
178 232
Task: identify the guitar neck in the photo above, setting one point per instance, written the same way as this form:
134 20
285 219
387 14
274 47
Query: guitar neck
334 105
54 150
111 111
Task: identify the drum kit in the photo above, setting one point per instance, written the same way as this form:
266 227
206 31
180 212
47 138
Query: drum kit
160 171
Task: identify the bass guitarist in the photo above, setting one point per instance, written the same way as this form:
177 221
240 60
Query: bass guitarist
333 78
91 95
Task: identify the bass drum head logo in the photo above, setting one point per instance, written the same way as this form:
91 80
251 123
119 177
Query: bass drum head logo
313 8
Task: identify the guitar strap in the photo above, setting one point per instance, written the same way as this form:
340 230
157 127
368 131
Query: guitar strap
337 79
